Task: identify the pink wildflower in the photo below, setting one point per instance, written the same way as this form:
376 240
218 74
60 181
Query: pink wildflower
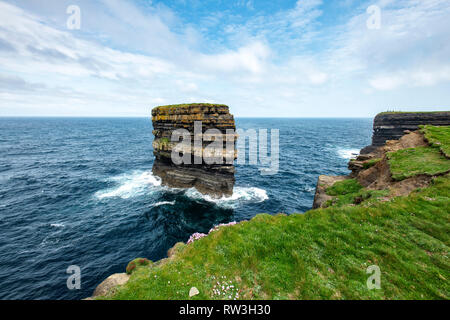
198 235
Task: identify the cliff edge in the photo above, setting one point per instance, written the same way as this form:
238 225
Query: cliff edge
371 169
392 125
325 253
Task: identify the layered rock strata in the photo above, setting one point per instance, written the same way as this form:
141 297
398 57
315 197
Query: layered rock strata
374 172
202 137
392 132
392 125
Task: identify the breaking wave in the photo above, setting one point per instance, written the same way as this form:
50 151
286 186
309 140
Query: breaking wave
347 153
241 195
138 183
162 203
57 225
130 185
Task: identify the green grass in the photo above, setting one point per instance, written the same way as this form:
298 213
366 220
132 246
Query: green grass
400 112
322 254
187 105
363 196
370 163
164 142
410 162
344 187
438 137
350 192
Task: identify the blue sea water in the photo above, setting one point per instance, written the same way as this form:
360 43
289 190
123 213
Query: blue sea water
80 192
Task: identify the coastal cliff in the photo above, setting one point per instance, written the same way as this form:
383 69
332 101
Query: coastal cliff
392 125
392 131
392 214
209 167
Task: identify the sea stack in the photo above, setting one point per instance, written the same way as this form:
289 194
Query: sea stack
203 136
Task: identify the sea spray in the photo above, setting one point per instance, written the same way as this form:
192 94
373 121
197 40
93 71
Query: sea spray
241 195
347 153
130 185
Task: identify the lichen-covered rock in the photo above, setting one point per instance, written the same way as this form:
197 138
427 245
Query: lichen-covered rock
109 284
215 179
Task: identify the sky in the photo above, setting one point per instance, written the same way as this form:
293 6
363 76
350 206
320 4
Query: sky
305 58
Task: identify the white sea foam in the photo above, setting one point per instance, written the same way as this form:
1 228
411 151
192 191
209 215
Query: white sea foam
240 195
57 225
143 182
164 203
130 185
347 153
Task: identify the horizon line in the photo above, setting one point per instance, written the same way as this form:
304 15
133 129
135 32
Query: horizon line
144 117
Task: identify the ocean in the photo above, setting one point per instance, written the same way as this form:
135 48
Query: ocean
79 191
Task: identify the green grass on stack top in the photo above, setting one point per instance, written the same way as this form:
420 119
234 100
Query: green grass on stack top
187 105
322 254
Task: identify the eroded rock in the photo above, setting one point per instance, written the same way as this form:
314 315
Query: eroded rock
371 167
210 168
323 183
109 284
393 125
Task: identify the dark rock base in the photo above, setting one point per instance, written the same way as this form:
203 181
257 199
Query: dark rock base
216 181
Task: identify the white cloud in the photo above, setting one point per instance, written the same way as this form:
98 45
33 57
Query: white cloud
318 78
251 58
386 82
127 59
410 49
187 86
423 77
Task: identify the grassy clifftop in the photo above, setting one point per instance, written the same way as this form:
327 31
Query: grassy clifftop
322 254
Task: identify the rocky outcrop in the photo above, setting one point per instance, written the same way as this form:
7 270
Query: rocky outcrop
392 125
323 183
392 131
108 286
373 173
208 153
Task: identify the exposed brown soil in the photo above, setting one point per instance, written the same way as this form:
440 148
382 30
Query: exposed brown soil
378 177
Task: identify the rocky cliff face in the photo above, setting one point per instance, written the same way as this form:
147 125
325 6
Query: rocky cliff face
392 125
391 132
208 154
